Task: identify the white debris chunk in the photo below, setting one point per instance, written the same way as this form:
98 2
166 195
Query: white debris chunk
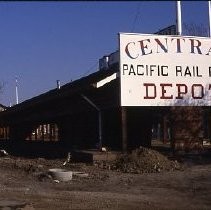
68 159
3 153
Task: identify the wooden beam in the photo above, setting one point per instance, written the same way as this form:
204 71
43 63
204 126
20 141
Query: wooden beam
124 129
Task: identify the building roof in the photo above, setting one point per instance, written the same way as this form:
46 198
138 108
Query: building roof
67 99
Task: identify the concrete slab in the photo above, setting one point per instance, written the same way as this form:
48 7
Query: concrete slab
93 155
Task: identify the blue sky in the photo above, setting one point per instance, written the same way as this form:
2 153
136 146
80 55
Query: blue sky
41 42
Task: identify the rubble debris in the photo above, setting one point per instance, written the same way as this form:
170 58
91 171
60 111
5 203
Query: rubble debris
144 160
141 160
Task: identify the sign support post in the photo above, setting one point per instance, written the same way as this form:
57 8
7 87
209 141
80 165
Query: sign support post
124 128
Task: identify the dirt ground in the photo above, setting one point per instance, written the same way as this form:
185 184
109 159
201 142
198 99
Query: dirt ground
25 184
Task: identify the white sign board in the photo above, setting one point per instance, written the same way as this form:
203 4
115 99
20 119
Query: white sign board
157 70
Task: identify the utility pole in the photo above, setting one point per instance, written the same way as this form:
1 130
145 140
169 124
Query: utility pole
16 89
179 19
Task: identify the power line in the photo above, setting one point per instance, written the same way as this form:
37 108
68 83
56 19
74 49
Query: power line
93 67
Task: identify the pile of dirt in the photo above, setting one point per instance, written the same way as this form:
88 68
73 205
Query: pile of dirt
144 160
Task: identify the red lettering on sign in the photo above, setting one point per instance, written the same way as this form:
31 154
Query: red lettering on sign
180 92
147 85
163 89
